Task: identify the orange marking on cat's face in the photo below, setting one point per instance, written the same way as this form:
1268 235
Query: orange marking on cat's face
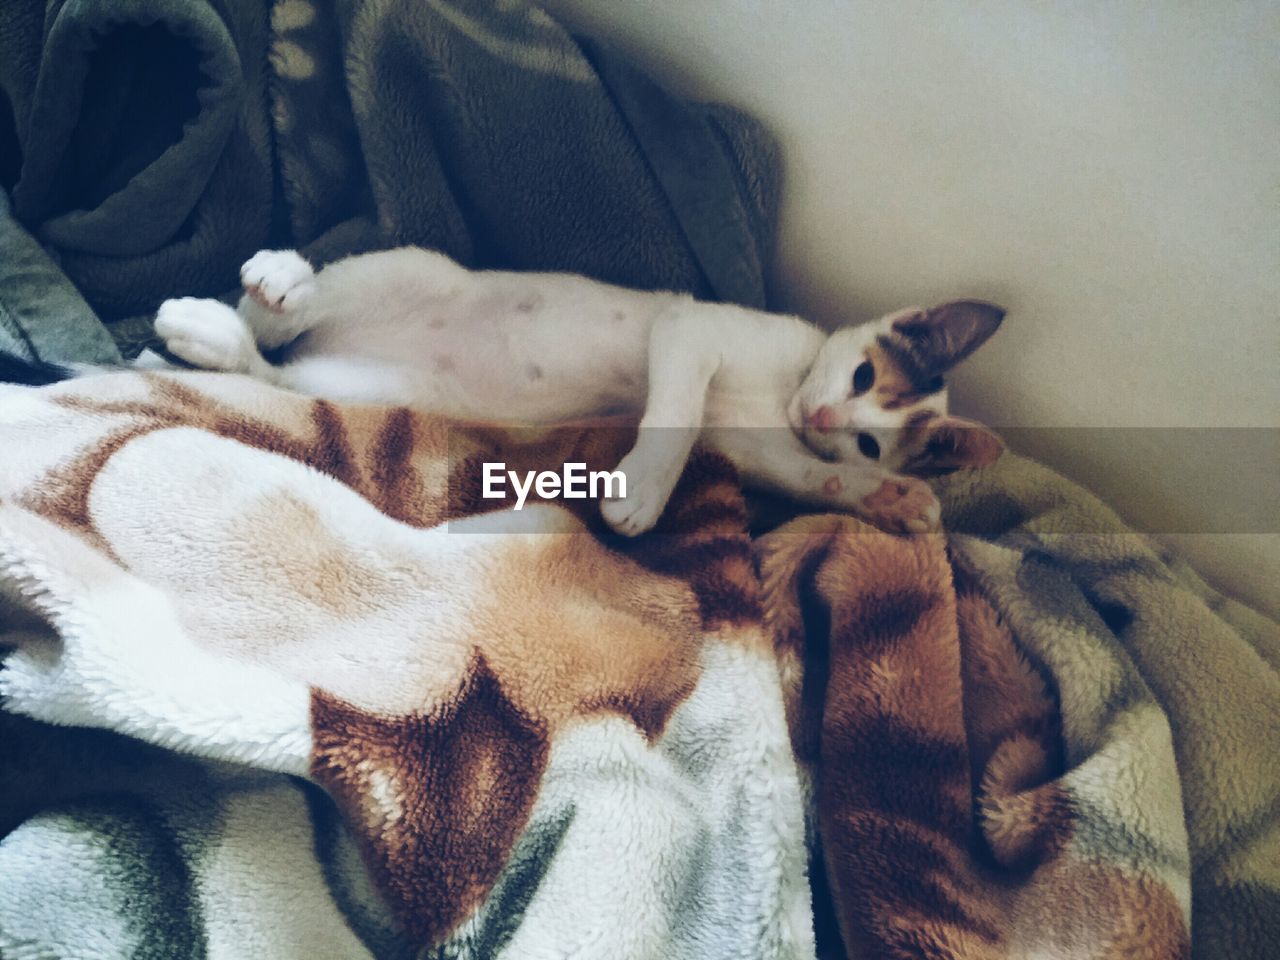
893 388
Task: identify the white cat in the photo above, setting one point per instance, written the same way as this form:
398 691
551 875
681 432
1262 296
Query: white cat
825 419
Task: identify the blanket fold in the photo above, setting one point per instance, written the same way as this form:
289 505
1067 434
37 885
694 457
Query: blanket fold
1165 641
33 292
967 806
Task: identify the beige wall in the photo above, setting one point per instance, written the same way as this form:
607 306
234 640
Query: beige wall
1107 171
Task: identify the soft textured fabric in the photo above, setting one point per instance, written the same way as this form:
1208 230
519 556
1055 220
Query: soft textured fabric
41 314
330 709
1040 738
156 144
539 740
1128 630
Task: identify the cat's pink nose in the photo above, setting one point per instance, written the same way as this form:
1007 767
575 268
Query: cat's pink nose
824 418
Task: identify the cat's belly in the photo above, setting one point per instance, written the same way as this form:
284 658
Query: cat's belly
494 356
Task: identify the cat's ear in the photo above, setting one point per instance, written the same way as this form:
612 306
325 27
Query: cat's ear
954 443
942 336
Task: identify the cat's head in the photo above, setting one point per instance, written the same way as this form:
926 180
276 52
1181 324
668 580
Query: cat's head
876 392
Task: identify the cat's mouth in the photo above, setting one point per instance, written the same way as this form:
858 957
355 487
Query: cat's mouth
797 419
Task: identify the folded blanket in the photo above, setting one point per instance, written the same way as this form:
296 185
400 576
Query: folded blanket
336 711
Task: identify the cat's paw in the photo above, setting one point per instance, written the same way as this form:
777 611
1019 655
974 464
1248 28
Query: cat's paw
637 512
278 280
902 505
208 334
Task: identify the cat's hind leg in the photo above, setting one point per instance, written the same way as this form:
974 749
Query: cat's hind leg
278 286
278 280
211 335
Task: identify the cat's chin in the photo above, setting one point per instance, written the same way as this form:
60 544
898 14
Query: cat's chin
822 452
795 416
819 444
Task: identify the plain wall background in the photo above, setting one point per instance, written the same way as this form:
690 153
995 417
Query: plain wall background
1108 172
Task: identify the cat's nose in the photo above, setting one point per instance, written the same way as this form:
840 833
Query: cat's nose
824 418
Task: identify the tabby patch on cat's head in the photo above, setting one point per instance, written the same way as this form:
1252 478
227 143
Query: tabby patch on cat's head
876 392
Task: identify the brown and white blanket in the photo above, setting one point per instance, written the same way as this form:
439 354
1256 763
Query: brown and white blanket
314 697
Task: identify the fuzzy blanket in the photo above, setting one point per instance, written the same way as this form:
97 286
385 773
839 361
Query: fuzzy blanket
538 741
320 706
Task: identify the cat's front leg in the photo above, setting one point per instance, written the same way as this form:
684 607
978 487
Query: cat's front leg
898 504
683 357
652 469
775 461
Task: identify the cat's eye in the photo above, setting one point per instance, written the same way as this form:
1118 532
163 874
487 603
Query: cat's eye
868 447
863 378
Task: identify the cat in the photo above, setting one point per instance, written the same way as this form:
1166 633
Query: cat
831 420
